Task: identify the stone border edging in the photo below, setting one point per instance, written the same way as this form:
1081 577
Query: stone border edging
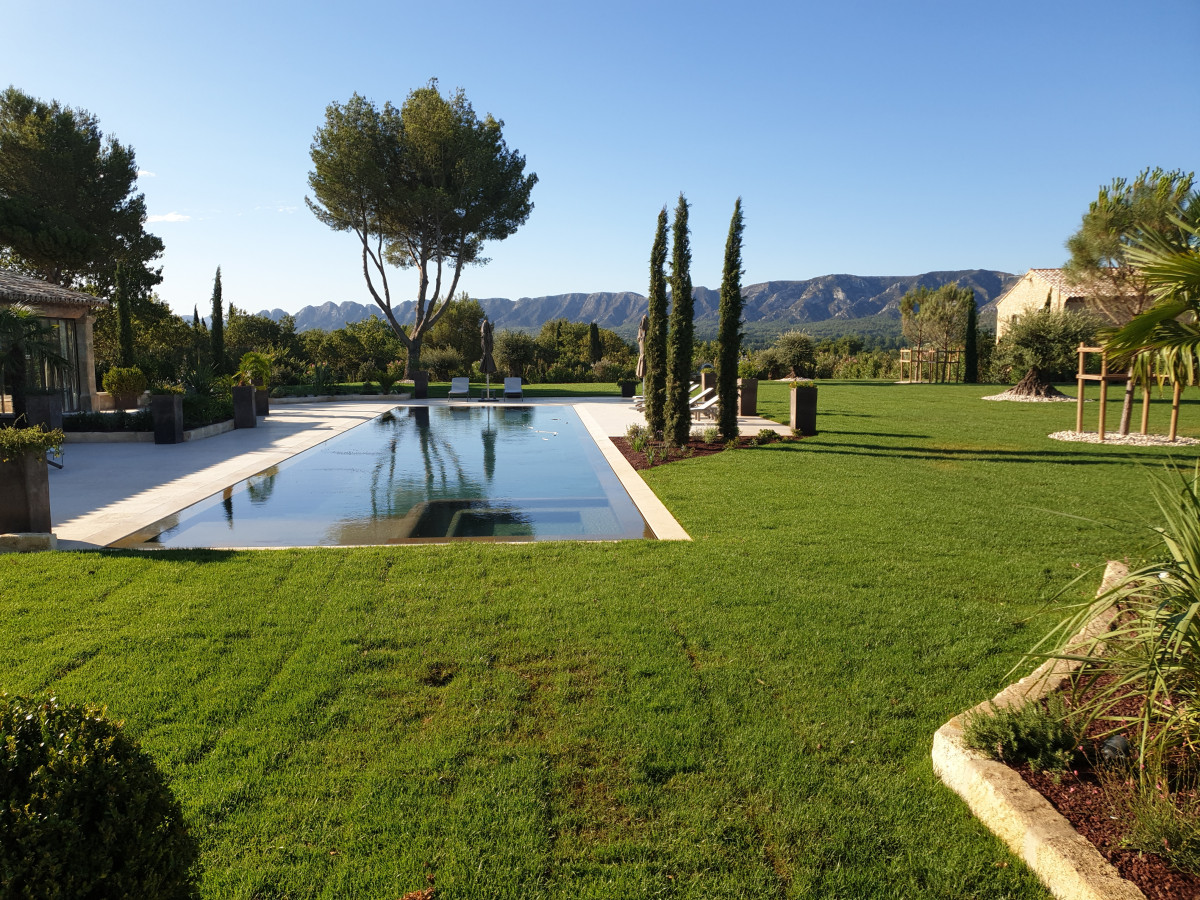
143 437
328 398
1065 861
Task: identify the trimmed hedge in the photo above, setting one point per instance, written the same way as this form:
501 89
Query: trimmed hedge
84 813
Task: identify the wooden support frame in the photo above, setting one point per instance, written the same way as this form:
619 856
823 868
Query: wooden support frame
1105 377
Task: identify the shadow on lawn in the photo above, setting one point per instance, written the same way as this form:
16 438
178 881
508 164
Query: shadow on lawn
1120 456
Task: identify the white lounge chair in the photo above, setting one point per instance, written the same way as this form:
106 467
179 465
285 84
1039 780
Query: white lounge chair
706 407
460 387
512 389
640 400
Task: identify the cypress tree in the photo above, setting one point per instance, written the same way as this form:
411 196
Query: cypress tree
196 317
971 345
656 333
729 335
217 330
124 317
595 348
678 426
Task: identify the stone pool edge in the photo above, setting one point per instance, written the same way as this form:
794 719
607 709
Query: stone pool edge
1065 862
653 510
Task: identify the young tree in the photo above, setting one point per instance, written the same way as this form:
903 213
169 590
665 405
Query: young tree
515 351
1045 345
915 326
795 350
423 187
729 326
655 385
678 420
123 301
68 211
216 330
1099 249
971 341
595 348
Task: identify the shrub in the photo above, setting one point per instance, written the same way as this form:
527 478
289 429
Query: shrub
119 420
1161 822
443 363
83 810
712 434
387 381
200 411
1039 735
124 381
15 441
636 429
767 436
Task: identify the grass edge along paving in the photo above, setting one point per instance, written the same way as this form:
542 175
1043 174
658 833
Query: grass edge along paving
745 715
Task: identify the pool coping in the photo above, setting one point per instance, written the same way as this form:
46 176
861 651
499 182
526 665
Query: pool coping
108 524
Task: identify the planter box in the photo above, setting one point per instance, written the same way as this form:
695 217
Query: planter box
708 379
167 410
628 388
243 407
262 402
747 396
804 410
24 494
44 409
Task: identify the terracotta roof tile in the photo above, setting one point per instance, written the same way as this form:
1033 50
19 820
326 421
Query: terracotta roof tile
16 288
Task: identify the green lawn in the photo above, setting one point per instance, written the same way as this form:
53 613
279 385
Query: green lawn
746 715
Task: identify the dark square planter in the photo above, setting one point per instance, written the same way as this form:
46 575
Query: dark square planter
167 410
24 494
262 402
747 396
628 388
804 410
243 407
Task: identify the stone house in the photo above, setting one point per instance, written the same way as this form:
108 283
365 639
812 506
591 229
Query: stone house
1042 288
73 315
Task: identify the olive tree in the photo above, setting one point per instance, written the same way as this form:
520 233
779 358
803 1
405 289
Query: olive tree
422 187
1044 345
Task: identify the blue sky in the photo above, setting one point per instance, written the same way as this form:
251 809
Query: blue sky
870 137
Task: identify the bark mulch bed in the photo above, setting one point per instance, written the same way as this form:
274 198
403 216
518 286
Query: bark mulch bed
1081 799
693 449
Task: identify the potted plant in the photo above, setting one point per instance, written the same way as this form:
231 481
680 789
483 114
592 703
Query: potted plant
255 370
44 407
125 385
243 391
24 482
804 407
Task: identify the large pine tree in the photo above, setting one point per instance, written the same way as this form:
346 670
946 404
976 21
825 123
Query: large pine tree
217 330
729 327
678 426
656 332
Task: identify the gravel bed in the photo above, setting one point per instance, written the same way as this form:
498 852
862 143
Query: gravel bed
1026 398
1134 440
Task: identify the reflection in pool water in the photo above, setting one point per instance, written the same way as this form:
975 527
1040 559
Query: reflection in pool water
421 473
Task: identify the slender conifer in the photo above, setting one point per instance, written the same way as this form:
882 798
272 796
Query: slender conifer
678 425
124 317
971 344
655 385
595 348
729 327
217 330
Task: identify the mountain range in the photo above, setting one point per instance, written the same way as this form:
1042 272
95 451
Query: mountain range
787 303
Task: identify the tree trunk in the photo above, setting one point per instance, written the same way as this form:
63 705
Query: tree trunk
1034 384
1127 405
414 358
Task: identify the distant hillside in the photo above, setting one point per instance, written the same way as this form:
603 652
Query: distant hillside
775 304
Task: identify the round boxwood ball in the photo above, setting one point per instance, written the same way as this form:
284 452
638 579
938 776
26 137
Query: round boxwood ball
84 813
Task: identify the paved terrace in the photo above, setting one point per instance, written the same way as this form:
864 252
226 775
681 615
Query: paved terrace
107 491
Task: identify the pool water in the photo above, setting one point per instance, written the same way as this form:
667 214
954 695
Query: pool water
421 474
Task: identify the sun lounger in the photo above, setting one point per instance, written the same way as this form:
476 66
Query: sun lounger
640 400
512 389
460 387
707 407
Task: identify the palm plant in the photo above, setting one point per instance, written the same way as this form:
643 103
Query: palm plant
24 336
254 368
1153 652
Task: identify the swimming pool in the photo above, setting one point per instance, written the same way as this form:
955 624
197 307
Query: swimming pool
421 474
